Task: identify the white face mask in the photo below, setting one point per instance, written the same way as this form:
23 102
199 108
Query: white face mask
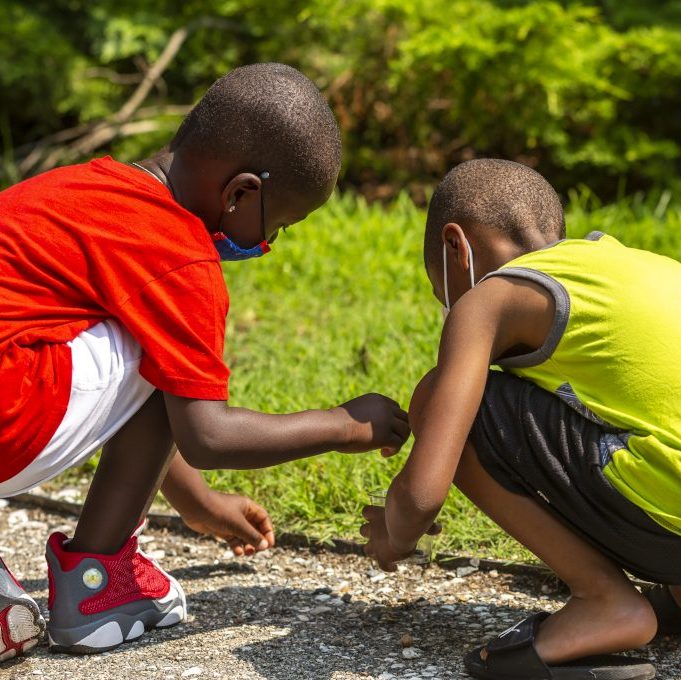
471 272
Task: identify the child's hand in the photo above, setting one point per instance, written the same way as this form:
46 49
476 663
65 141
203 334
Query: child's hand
373 421
244 524
379 546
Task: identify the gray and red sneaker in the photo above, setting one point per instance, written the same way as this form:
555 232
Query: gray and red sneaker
21 624
98 602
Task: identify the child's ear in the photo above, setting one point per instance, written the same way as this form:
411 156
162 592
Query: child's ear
455 238
241 186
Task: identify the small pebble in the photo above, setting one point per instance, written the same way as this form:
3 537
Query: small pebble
407 640
411 653
17 517
465 571
320 610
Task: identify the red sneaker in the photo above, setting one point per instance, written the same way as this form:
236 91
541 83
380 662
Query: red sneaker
21 624
98 602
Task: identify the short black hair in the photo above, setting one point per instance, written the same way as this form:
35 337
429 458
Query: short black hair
506 196
269 117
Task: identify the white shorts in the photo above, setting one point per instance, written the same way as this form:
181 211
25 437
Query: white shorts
106 391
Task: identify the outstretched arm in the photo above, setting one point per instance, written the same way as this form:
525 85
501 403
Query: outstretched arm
500 317
212 435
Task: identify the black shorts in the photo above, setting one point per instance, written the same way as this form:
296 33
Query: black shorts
533 443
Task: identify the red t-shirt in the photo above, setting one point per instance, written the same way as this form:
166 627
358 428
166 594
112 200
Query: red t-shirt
88 242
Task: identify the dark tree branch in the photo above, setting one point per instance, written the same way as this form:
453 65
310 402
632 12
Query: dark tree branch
130 119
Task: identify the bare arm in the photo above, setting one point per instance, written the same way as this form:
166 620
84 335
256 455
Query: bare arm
498 317
212 435
243 523
184 487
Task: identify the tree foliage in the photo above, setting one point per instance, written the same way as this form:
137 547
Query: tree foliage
585 91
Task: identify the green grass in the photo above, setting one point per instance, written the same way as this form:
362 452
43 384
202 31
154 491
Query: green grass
342 306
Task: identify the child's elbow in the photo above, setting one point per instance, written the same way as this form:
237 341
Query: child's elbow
422 504
195 456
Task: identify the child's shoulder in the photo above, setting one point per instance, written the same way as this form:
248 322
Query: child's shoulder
104 216
593 260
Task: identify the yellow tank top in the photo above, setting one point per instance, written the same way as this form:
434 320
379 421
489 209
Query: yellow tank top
614 354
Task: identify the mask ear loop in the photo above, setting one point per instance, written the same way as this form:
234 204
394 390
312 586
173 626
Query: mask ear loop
263 176
444 263
471 268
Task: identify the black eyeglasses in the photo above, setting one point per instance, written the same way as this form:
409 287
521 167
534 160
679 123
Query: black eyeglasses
263 176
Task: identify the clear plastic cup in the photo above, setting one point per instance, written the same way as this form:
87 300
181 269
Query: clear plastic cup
424 548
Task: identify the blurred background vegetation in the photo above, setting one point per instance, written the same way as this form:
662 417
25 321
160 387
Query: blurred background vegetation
585 91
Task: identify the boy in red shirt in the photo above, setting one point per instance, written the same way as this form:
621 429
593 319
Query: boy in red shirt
112 323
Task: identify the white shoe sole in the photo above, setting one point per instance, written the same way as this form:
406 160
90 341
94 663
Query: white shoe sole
22 627
93 638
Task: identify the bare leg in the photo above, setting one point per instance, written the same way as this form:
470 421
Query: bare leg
605 612
130 471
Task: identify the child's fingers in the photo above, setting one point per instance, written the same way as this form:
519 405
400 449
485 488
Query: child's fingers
245 531
365 530
388 451
371 512
435 529
258 516
237 546
402 415
267 530
393 403
395 442
265 525
401 429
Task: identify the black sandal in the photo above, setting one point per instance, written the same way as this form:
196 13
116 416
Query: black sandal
666 610
512 656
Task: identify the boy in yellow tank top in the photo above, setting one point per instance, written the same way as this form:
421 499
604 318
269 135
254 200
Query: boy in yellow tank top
575 447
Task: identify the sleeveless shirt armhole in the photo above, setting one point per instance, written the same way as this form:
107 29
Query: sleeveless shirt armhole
560 321
594 236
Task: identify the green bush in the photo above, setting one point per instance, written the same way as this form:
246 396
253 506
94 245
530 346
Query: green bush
584 93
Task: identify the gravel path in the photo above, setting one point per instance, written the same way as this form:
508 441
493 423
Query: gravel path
294 614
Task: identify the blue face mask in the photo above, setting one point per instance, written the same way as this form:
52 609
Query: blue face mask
230 251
